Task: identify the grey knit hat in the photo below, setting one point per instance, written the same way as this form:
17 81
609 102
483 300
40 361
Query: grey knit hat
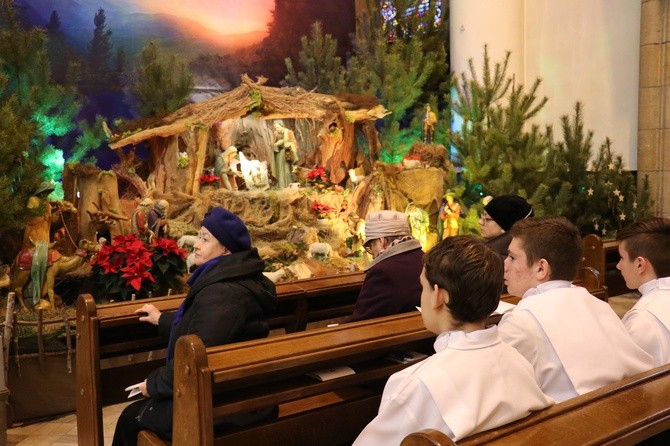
386 224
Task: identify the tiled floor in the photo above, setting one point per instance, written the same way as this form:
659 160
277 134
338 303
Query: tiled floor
63 431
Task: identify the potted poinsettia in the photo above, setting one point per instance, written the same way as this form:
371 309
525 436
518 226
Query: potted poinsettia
131 266
317 178
321 210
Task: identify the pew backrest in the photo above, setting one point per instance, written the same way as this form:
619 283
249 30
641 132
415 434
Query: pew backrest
115 347
621 413
211 383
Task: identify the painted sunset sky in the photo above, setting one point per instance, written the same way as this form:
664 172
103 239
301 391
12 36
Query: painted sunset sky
221 16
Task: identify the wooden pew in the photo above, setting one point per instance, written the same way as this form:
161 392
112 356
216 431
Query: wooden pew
211 383
622 413
115 348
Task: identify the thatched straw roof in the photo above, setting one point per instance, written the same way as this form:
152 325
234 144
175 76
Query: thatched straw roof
252 98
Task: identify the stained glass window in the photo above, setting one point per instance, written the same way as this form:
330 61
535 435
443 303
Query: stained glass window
389 12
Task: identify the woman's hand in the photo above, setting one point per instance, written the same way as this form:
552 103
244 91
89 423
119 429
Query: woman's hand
149 313
143 388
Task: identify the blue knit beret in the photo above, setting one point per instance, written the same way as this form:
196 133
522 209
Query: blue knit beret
228 229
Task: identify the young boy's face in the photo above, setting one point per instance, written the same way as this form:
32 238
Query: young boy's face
628 268
428 313
519 277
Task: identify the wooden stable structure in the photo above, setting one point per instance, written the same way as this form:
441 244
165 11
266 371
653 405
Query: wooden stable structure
243 117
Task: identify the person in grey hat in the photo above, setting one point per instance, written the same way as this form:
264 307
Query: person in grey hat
498 216
229 300
391 284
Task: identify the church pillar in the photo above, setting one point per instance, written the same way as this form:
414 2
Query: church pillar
653 155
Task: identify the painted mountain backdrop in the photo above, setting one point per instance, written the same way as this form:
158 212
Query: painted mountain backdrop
133 25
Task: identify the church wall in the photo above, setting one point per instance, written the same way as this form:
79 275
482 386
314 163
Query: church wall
584 51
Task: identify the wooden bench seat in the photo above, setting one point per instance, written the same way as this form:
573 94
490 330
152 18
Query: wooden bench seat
622 413
211 383
115 348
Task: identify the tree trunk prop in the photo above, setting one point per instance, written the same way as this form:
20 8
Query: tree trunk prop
99 197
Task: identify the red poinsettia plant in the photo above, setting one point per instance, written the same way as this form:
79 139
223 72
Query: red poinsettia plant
317 177
209 178
131 266
321 210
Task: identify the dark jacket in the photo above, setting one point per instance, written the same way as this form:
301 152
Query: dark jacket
228 303
500 243
391 284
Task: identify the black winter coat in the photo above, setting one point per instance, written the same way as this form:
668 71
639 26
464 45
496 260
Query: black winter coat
228 303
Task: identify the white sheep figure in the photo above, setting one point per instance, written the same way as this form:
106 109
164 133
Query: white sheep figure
187 241
320 251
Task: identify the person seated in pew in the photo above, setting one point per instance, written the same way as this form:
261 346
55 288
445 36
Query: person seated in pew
644 247
391 284
575 341
474 381
498 216
229 300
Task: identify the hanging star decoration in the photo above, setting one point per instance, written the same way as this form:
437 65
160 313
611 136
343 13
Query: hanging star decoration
604 232
610 166
635 205
596 226
621 198
616 192
590 191
622 216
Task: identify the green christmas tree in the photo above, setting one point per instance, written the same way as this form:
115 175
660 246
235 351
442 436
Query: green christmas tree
402 63
610 196
322 68
34 109
162 85
499 151
98 74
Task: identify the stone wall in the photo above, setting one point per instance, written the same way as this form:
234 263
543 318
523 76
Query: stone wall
654 108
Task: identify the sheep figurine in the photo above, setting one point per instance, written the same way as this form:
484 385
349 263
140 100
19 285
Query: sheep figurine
187 241
319 250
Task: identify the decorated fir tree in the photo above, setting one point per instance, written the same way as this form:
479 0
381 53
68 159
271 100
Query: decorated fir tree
501 152
610 195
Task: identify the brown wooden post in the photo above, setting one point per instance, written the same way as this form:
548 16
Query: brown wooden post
192 377
88 398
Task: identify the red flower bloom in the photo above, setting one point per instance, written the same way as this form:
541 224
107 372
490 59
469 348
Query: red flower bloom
321 210
169 246
131 264
208 178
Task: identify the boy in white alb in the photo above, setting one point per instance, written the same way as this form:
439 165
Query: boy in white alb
575 341
644 247
474 381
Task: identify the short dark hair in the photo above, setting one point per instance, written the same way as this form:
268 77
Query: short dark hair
649 238
554 239
470 272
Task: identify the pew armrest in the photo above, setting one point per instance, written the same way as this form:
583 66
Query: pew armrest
148 438
427 437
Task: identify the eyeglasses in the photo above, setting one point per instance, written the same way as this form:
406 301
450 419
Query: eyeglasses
368 246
